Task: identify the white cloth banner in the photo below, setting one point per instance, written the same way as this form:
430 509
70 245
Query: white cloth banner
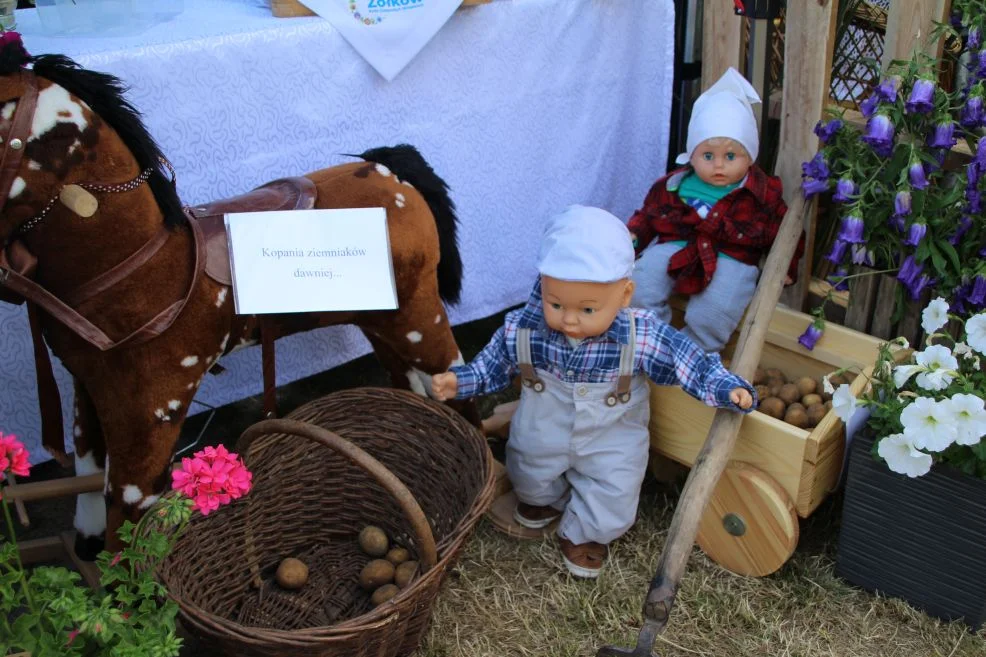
387 33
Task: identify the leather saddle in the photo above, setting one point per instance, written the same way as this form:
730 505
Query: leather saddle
296 193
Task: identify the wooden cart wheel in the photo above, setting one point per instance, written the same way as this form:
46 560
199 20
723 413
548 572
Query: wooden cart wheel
750 526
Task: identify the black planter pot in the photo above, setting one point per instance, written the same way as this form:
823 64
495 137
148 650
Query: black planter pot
922 540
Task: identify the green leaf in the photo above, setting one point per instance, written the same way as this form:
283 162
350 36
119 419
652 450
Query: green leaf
936 258
952 254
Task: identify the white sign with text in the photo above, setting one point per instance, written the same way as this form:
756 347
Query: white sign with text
300 261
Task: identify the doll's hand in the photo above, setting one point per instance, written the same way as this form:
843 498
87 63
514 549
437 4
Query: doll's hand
741 397
788 280
633 237
444 386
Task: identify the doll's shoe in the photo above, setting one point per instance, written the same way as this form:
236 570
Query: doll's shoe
584 560
535 517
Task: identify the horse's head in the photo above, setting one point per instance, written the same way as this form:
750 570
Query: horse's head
62 125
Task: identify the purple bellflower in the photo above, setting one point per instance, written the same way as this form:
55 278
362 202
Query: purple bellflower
826 131
974 39
851 230
870 105
943 135
972 112
917 176
880 135
837 254
918 285
921 100
902 204
888 88
815 176
860 255
978 293
810 336
909 271
915 234
845 191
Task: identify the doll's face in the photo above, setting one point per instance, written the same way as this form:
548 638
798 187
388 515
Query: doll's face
720 162
583 310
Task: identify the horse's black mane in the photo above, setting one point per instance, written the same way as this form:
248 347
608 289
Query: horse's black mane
104 94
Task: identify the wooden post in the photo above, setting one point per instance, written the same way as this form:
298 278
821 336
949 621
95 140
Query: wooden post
722 41
809 36
909 24
862 298
883 311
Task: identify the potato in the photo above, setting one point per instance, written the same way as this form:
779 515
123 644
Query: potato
373 541
807 385
828 405
774 373
774 387
376 573
405 573
837 380
811 400
759 376
773 406
291 574
815 414
797 417
789 393
397 555
798 405
821 391
384 593
762 391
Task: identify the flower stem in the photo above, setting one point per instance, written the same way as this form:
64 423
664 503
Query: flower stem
17 553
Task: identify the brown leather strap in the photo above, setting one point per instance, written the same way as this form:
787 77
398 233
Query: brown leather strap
267 354
86 329
110 278
49 401
20 129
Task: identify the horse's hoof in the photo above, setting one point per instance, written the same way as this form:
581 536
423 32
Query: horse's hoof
87 547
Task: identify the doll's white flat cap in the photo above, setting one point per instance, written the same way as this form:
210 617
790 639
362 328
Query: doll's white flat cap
724 110
586 244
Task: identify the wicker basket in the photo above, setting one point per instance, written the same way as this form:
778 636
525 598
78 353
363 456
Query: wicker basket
365 456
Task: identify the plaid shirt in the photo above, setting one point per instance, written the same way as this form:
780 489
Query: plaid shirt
743 225
665 355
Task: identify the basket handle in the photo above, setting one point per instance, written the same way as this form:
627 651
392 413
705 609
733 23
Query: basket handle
373 467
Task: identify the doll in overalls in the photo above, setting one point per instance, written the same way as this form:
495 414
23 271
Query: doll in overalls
579 441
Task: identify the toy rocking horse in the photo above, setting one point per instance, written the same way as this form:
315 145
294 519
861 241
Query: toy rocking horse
132 291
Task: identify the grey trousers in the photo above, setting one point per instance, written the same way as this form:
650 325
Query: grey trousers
712 314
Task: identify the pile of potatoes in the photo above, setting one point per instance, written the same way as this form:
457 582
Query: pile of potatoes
389 571
801 402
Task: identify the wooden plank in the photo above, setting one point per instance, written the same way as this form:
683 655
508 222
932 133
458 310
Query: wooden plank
883 311
809 36
722 32
759 47
862 297
821 288
909 23
63 487
41 550
10 491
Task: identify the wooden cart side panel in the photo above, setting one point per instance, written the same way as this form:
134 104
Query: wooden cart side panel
839 346
682 422
909 23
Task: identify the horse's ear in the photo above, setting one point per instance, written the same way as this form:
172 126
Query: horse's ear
13 56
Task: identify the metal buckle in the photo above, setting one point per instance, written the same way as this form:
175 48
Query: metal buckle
538 386
611 400
625 397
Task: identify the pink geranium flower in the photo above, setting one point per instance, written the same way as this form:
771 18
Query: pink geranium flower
212 478
13 457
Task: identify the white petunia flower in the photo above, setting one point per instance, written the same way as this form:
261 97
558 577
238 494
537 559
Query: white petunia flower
970 418
975 332
929 424
902 457
844 402
963 350
827 385
940 365
902 373
934 316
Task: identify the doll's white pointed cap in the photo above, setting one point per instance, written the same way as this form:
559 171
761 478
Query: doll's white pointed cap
724 110
586 244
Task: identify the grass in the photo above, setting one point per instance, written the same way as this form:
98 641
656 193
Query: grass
508 597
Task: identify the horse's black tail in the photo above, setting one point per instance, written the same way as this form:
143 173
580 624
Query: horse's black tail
408 164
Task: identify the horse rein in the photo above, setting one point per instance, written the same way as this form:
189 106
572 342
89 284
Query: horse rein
16 139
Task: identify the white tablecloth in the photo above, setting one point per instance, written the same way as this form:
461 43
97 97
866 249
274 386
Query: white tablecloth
523 106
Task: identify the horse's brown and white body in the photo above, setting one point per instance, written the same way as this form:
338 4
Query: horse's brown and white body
131 400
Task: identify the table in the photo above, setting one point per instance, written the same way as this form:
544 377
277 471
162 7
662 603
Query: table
523 106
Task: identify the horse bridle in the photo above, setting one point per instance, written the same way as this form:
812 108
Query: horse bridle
15 141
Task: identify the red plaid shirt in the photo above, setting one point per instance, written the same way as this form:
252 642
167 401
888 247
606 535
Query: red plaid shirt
742 224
